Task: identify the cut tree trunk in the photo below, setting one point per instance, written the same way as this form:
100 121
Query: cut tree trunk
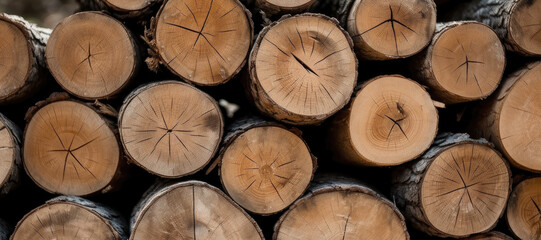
510 118
524 209
23 70
203 42
464 62
190 210
515 21
458 188
338 208
170 128
72 149
264 166
302 69
10 154
490 236
390 120
123 9
91 62
69 217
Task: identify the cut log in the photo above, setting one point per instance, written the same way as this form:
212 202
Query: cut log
338 208
458 188
265 166
277 7
510 118
524 209
490 236
10 154
68 217
464 62
23 70
302 69
123 9
4 230
390 120
170 128
190 210
515 22
71 149
91 62
203 42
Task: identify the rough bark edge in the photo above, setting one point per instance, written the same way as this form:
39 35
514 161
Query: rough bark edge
13 178
4 230
262 100
155 60
271 9
326 184
143 88
104 5
160 188
421 66
336 9
37 74
493 234
407 183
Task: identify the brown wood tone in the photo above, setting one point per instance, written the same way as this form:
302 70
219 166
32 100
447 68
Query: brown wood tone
302 69
22 69
68 217
464 62
124 9
524 209
489 236
338 208
265 166
516 22
458 188
10 156
510 118
72 149
274 7
170 128
92 55
190 210
390 120
203 42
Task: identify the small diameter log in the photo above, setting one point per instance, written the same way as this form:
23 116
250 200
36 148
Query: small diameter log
524 209
458 188
302 69
22 70
265 166
489 236
92 62
70 149
341 209
170 128
69 217
10 155
464 62
190 210
124 9
510 118
390 120
203 42
276 7
515 22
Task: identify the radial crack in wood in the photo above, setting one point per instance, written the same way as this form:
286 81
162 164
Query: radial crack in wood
524 209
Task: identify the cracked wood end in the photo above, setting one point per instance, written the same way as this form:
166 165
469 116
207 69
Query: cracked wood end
390 120
92 55
10 155
203 42
70 149
190 210
524 209
170 128
302 69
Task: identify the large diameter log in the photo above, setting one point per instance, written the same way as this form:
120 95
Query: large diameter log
92 62
390 120
264 166
337 208
489 236
464 62
524 209
10 154
190 210
71 149
510 118
458 188
302 69
124 9
170 128
203 42
69 217
23 70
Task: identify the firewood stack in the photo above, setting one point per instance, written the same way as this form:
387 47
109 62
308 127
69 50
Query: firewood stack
273 119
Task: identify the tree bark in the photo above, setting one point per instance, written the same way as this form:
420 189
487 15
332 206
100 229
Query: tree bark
10 153
122 9
490 236
4 230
